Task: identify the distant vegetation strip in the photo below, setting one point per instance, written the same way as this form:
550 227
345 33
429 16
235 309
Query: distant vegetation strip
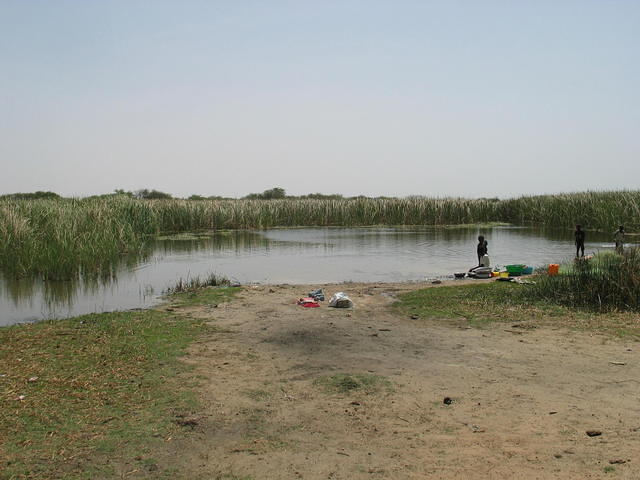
62 238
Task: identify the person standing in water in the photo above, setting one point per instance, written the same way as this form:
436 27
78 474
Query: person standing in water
618 237
580 236
482 249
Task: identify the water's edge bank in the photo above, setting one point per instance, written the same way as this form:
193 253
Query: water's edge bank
105 395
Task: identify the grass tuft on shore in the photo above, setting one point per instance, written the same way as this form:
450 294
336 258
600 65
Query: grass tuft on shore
207 296
488 302
196 283
90 396
607 282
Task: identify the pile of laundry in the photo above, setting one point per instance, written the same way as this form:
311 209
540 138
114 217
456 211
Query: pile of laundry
338 300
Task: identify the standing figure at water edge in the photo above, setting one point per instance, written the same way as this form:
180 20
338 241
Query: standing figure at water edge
580 236
483 267
618 237
483 251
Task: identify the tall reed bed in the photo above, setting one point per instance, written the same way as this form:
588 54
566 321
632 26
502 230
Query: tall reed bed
594 210
63 238
609 281
184 215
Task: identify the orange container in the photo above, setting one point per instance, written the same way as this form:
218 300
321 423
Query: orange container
554 268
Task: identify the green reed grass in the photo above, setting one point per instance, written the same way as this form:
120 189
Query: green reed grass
594 210
61 239
609 281
193 284
66 238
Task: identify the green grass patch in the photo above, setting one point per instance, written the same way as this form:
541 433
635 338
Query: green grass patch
103 392
478 304
348 382
607 282
489 302
204 296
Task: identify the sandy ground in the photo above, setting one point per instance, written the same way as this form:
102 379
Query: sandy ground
523 398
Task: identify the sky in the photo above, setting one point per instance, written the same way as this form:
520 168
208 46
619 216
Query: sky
437 98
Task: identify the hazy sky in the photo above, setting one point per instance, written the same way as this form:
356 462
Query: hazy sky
463 98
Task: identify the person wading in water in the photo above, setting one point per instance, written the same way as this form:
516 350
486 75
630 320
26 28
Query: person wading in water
580 236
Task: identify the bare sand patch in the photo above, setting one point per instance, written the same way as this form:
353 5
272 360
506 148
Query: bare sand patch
521 401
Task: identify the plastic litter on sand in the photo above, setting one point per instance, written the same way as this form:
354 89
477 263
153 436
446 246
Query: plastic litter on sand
340 300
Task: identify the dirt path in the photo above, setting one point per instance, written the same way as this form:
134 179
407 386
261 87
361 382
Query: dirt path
522 398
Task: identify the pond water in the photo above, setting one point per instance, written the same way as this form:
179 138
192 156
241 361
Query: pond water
304 255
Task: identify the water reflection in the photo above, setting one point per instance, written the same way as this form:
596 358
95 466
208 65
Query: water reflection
304 255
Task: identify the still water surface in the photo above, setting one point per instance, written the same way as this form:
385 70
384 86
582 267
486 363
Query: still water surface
305 255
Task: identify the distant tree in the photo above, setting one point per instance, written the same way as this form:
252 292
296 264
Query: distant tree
146 194
274 193
196 197
33 196
322 196
120 191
